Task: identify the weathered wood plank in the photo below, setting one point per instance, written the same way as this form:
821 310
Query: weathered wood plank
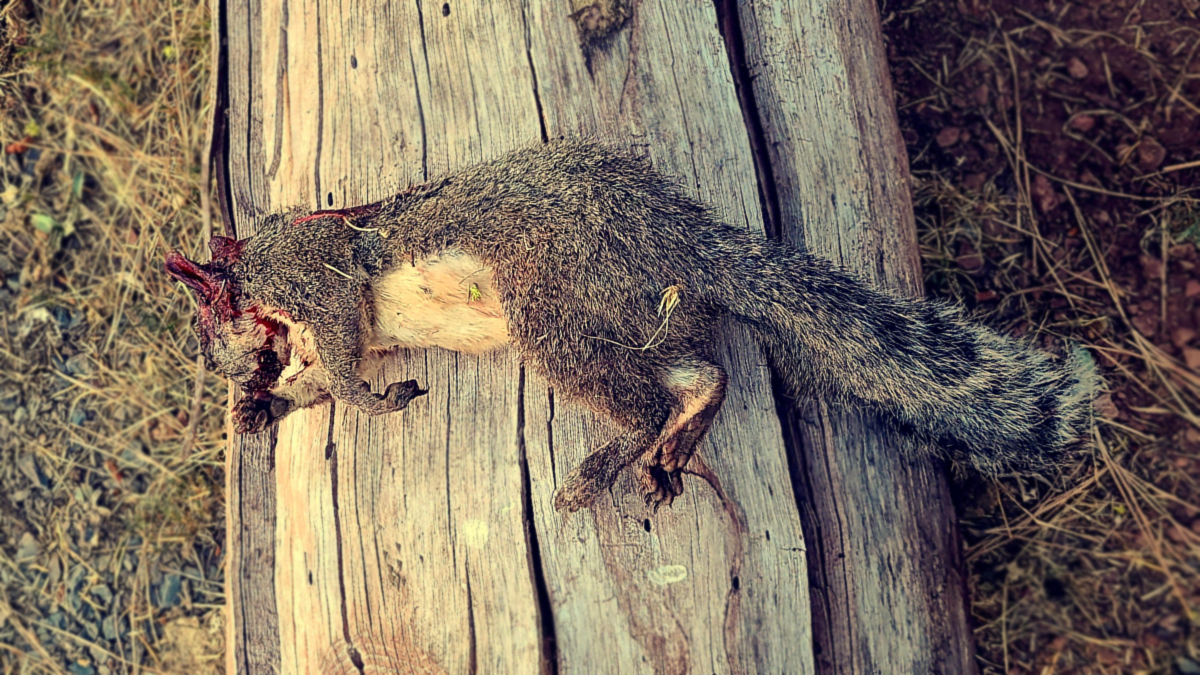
717 582
400 542
886 568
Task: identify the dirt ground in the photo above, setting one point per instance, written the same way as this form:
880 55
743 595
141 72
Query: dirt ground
1055 152
110 505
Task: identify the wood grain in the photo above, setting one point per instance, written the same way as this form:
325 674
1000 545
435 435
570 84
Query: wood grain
743 605
886 567
400 542
425 541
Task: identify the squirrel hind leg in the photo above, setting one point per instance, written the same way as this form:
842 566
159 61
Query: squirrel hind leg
599 470
636 398
667 424
699 389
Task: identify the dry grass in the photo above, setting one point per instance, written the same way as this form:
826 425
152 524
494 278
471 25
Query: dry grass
103 488
1099 572
106 517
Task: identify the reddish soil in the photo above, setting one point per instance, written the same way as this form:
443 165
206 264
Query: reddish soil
1011 109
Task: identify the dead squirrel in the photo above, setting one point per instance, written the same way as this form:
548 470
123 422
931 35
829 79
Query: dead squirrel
609 280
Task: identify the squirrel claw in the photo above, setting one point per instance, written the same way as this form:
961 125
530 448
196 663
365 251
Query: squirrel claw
258 411
659 487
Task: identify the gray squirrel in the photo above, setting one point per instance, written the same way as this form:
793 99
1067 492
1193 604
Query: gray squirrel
608 280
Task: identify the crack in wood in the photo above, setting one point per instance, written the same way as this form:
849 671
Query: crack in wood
537 99
417 86
220 116
320 135
281 86
731 34
738 531
449 451
332 456
550 434
549 640
685 125
472 649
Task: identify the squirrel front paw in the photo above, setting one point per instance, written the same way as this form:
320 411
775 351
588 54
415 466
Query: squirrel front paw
396 397
258 411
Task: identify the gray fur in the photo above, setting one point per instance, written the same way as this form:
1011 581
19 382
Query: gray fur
583 240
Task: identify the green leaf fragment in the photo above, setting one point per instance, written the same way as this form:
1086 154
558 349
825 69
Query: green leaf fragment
44 223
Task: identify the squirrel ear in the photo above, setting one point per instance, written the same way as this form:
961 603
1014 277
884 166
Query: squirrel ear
198 277
225 248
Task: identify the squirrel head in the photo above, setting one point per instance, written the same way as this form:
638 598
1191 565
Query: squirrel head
236 340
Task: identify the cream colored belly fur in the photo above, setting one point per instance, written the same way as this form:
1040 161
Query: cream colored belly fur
445 301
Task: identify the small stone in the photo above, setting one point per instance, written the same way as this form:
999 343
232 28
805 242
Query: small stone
28 548
1044 194
10 398
108 628
948 136
170 590
981 94
1192 358
1083 122
28 465
1182 337
103 593
1192 289
1150 154
1152 267
1147 324
1186 666
1076 68
1106 407
81 669
975 181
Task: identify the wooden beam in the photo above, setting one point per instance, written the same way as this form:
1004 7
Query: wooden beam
665 83
405 541
399 543
888 584
426 541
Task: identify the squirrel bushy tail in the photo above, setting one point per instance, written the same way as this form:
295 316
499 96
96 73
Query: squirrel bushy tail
992 401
